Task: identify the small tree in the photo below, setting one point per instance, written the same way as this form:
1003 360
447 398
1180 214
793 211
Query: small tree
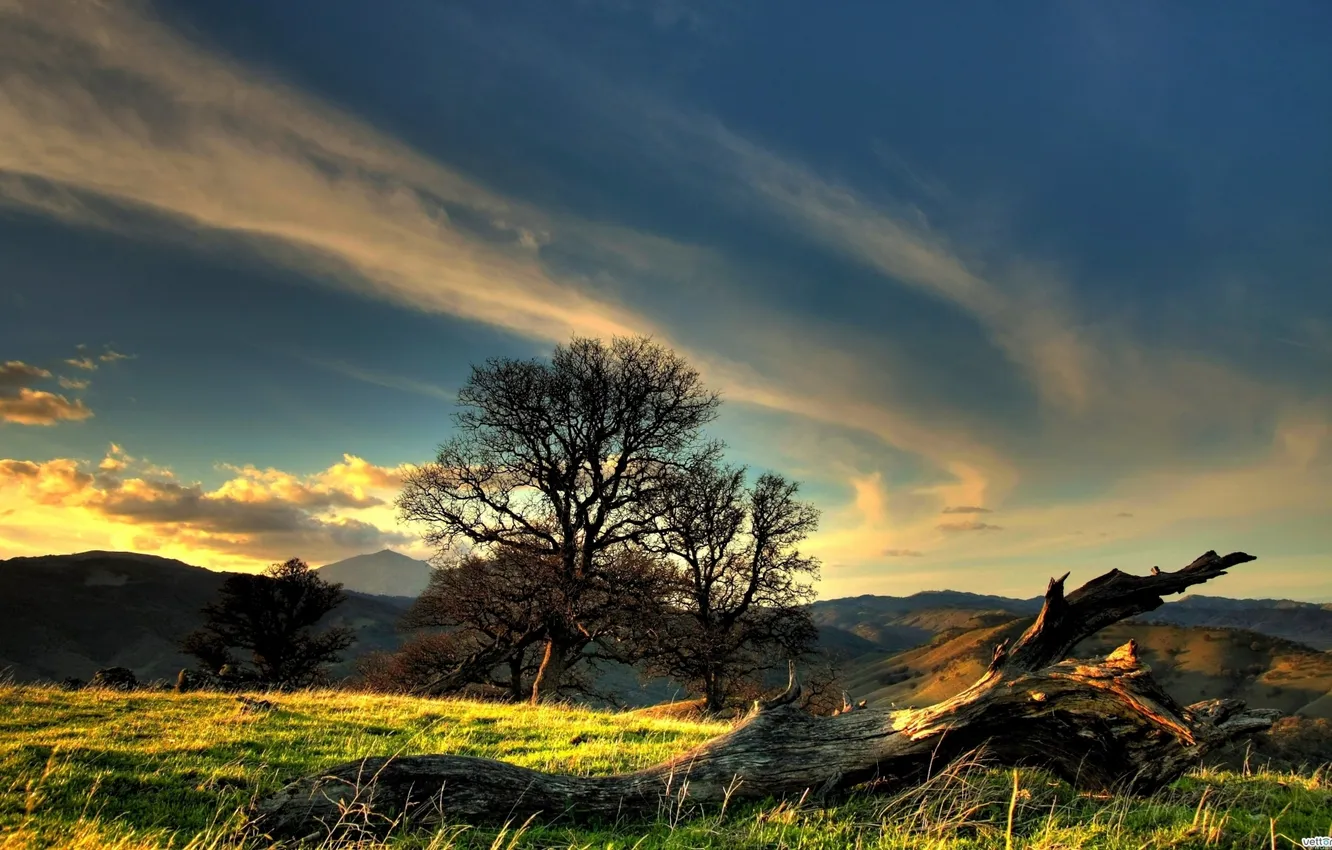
742 584
272 616
486 618
487 614
559 461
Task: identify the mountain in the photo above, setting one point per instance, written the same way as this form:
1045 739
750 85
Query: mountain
1191 663
901 622
384 573
68 615
1304 622
896 623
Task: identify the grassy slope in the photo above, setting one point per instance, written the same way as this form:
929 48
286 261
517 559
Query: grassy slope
95 769
1191 663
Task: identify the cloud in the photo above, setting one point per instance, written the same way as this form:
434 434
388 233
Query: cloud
190 135
74 383
16 373
965 509
57 482
972 525
106 105
20 404
253 486
111 356
355 472
383 379
86 363
901 553
262 514
37 407
115 460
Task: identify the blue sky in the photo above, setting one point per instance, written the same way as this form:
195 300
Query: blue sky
1011 290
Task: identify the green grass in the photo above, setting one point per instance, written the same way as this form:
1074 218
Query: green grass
90 769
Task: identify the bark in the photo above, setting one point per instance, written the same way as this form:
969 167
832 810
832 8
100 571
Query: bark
714 696
554 666
1103 724
516 677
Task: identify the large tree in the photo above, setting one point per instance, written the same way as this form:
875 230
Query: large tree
272 615
742 585
558 460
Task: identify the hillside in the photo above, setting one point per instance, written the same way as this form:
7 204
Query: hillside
898 623
68 615
382 573
1309 623
85 770
1191 663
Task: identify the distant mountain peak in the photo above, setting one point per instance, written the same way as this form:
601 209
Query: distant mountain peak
382 573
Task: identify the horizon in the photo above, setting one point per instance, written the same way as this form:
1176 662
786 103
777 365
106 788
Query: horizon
1043 294
821 598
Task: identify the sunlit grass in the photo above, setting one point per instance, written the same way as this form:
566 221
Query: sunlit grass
90 769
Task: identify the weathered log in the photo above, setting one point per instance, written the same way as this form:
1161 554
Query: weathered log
1103 724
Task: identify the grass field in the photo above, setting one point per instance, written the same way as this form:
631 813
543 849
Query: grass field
98 769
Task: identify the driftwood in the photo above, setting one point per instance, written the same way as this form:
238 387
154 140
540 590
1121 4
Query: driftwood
1101 725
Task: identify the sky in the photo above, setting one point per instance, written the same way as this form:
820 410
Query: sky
1012 290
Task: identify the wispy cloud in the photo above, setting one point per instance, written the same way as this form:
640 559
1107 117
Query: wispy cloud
134 114
193 136
382 379
972 525
221 149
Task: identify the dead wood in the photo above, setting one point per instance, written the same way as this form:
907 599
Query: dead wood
1102 724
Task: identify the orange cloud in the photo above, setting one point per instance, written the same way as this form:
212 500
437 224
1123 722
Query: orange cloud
38 407
57 482
259 515
16 373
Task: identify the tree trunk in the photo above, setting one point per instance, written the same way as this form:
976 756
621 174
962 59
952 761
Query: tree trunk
551 673
1100 724
516 676
714 695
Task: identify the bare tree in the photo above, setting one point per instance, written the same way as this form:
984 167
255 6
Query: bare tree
272 615
492 610
742 583
557 460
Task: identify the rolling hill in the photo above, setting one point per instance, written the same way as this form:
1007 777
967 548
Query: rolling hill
68 615
901 622
897 623
1309 623
1191 663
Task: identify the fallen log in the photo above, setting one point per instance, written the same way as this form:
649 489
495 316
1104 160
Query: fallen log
1101 725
